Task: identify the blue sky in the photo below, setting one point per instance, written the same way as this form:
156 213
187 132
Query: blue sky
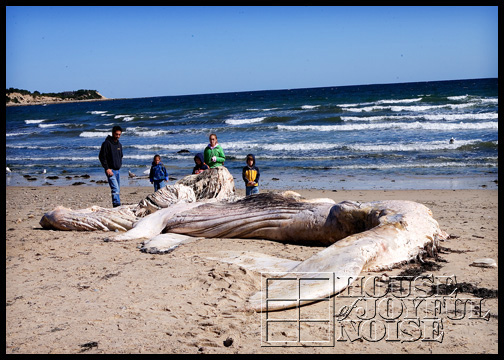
126 52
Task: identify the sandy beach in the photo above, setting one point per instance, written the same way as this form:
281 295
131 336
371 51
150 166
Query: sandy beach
71 292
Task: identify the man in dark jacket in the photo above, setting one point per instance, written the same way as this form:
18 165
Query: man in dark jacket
111 159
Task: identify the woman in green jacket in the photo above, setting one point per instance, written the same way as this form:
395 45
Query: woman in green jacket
214 155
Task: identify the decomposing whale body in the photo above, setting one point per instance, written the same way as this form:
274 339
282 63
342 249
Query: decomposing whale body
93 218
359 237
215 183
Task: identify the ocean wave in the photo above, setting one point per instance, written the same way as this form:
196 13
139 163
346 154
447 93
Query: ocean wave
393 125
416 146
266 109
460 97
20 133
449 117
398 101
125 118
32 147
54 158
309 107
93 134
97 112
406 108
34 121
490 101
55 125
415 165
384 101
177 147
244 121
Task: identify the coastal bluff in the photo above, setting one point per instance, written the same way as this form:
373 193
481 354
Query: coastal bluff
24 97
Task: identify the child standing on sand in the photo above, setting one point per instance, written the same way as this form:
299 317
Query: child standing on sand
250 175
158 174
213 154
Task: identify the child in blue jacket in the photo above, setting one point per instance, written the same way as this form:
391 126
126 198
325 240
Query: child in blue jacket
158 174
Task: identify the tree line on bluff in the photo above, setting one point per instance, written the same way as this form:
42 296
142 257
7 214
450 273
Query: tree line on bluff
65 95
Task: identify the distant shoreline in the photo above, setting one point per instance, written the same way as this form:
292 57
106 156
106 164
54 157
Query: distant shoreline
50 102
17 97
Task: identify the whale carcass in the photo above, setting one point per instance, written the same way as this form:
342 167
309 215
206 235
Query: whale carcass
368 236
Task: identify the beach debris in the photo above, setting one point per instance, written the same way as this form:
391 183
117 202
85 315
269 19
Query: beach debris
484 262
183 151
52 177
228 342
89 345
464 287
78 183
130 174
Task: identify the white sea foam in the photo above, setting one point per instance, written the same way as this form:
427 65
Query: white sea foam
490 100
309 107
171 147
96 112
244 121
449 117
20 133
52 125
415 146
34 121
267 109
398 101
33 147
124 117
385 101
93 134
299 146
461 97
55 158
355 105
415 165
406 108
399 125
150 133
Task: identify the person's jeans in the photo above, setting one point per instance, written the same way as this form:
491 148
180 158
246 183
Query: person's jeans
115 185
158 184
249 190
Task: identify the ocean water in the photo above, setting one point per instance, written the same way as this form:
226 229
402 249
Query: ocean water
389 136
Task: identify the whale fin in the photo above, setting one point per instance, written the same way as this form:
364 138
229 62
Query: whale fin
325 273
165 243
255 261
